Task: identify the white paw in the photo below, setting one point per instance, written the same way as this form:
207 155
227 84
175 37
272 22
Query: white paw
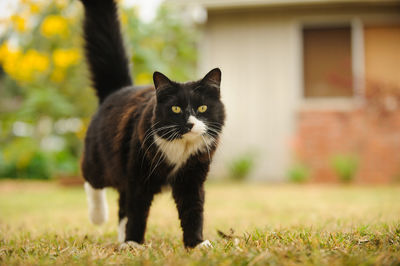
98 216
205 244
122 229
97 204
131 245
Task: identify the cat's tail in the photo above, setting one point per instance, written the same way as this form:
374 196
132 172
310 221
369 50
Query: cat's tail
97 203
104 47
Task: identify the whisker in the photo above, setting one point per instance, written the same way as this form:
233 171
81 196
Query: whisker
214 123
169 131
156 130
208 151
149 132
215 126
162 155
151 127
212 139
154 141
213 130
152 162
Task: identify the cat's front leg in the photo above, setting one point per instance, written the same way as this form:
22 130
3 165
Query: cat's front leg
137 211
189 199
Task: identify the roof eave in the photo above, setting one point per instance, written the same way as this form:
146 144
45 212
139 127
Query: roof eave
236 4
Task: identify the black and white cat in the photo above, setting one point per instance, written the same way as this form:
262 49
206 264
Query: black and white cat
143 138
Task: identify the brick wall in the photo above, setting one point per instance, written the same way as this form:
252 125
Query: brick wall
371 132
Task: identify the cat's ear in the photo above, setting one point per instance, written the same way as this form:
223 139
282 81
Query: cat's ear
160 80
213 78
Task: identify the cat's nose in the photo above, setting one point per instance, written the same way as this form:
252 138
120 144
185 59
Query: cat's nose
189 126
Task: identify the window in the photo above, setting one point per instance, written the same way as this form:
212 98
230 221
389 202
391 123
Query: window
327 62
382 56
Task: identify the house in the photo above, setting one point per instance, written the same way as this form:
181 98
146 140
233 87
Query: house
305 81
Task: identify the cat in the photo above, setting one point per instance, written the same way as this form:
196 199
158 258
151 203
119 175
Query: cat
144 138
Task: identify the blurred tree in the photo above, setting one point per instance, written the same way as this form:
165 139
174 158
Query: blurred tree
45 96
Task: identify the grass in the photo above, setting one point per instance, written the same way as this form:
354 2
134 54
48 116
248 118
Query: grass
42 223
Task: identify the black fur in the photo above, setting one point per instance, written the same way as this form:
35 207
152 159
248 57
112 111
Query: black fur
105 51
120 151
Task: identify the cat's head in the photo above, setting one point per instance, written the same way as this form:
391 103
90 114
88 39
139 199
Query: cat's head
188 110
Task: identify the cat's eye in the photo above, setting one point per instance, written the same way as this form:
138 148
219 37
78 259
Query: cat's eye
202 108
176 109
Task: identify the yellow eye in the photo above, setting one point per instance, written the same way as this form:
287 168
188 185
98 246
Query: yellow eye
202 108
176 109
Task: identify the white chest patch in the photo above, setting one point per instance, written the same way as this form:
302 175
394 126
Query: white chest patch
178 151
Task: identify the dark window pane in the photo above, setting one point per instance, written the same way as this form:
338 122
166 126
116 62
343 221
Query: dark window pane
327 62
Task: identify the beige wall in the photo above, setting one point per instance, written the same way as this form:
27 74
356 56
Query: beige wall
259 54
258 86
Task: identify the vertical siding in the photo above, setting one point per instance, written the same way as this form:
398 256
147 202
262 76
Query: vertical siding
258 62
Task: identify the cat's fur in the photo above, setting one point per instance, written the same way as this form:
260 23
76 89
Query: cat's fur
136 144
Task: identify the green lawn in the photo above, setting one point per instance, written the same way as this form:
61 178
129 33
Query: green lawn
42 223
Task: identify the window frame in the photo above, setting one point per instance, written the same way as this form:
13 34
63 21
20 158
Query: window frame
357 65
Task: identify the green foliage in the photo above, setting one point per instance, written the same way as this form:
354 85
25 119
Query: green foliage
23 158
241 167
299 173
345 166
165 45
45 98
65 162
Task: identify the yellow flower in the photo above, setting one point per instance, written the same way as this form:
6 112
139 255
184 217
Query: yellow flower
58 75
38 61
143 78
64 58
19 23
54 25
25 70
22 67
81 133
34 8
4 51
124 18
10 61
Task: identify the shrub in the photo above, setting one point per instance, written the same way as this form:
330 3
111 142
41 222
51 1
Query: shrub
345 166
299 173
23 158
241 167
37 166
65 163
